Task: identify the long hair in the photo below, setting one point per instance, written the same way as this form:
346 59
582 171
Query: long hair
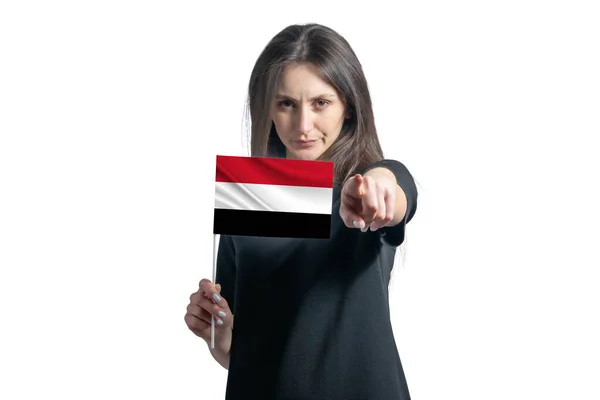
358 145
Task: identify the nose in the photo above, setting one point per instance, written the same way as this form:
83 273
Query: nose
305 120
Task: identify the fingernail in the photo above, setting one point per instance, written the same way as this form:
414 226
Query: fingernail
356 224
366 228
216 297
219 322
222 314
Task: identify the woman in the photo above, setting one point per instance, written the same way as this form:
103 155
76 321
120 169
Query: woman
312 316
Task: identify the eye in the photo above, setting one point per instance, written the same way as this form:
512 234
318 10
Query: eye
321 103
285 104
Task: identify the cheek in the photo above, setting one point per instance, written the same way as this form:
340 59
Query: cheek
281 120
332 126
280 125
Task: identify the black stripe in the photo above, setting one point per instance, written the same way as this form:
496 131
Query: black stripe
272 224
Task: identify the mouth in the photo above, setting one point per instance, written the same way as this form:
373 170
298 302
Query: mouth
305 143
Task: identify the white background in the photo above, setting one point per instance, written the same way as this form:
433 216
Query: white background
111 114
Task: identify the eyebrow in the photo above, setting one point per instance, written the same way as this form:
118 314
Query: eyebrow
321 96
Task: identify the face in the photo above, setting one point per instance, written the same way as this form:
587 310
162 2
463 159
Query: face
307 112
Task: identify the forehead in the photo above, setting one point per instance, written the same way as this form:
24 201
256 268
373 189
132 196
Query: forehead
303 79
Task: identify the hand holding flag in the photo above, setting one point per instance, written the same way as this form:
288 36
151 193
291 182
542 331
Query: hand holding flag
206 305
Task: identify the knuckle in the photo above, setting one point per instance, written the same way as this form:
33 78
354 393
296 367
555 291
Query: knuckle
371 203
198 306
195 310
194 324
204 304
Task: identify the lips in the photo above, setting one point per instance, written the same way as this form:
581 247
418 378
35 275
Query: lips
305 143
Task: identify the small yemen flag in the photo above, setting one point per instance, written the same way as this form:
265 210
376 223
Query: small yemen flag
273 197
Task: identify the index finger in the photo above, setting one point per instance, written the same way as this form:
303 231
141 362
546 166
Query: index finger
354 186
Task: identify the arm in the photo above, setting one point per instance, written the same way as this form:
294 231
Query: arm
400 202
406 204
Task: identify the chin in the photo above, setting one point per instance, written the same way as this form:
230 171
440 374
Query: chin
307 155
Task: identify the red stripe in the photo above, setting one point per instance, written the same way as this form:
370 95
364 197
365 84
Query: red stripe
274 171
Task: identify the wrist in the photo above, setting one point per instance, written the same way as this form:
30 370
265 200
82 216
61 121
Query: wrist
220 353
223 338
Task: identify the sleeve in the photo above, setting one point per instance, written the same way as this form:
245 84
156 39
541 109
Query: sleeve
226 269
394 235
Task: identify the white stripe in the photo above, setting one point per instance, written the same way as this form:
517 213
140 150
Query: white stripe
255 197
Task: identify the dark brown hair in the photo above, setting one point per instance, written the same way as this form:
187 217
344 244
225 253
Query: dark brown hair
357 146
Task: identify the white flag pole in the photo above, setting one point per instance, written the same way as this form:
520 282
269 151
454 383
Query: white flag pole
214 279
